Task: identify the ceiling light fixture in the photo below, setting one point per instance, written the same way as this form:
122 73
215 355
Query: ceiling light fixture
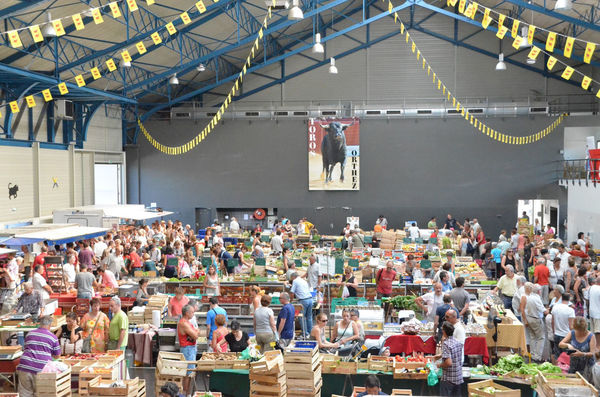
89 13
174 80
501 65
201 68
49 30
524 33
563 5
332 68
295 12
318 47
530 61
126 64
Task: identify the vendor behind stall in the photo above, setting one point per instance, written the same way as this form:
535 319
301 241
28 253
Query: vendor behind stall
41 346
142 297
177 302
108 278
30 302
85 283
39 282
70 335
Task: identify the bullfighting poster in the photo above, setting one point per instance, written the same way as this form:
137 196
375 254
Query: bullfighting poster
334 154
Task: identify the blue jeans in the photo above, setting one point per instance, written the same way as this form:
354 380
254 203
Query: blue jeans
307 305
190 352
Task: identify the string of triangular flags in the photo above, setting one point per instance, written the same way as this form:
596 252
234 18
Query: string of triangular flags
471 10
212 124
464 112
110 65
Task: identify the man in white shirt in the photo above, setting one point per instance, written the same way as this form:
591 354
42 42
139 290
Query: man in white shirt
514 239
11 276
313 274
155 255
218 239
431 301
277 243
594 308
382 220
40 284
234 226
99 247
413 231
532 313
581 242
562 321
476 227
553 252
564 257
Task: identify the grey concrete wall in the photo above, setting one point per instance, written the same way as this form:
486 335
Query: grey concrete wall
409 170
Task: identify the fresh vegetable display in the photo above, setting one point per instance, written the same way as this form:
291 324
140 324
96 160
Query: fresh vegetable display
404 302
515 363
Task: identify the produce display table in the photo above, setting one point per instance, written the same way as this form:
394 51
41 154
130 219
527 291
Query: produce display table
68 301
236 383
407 344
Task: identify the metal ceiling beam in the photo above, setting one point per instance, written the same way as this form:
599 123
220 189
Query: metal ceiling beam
278 58
20 7
241 43
566 18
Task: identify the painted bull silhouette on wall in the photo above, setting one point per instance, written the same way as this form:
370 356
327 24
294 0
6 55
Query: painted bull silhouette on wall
333 148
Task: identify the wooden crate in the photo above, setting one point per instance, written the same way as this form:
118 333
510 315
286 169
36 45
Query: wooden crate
53 385
141 392
162 379
303 371
571 381
207 393
301 355
90 372
271 360
380 363
99 387
476 389
9 350
311 385
400 364
333 364
399 374
171 364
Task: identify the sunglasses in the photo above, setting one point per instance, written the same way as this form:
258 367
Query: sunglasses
323 321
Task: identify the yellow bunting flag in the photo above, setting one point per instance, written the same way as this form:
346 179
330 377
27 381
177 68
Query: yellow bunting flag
62 88
533 54
585 83
501 18
260 33
453 2
125 55
469 11
390 7
114 8
156 38
486 13
475 7
141 48
78 21
395 17
530 34
413 46
407 36
132 5
461 6
30 101
150 2
110 64
567 73
36 33
589 51
551 63
58 27
201 7
80 80
517 43
185 17
501 32
97 15
15 40
47 95
171 28
514 31
550 41
95 73
14 107
568 47
486 22
597 95
401 28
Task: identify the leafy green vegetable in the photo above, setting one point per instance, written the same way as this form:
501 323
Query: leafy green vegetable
404 302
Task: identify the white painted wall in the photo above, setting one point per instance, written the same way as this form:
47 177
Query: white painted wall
583 212
575 141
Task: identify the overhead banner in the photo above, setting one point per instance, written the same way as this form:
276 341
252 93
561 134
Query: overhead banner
334 154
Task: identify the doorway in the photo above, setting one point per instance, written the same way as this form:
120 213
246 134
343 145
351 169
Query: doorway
540 212
108 184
